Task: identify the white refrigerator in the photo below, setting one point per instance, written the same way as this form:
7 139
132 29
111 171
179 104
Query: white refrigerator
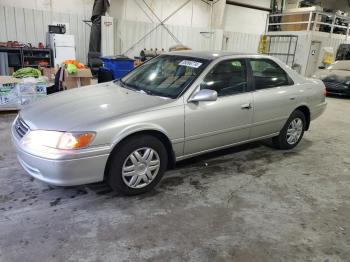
62 46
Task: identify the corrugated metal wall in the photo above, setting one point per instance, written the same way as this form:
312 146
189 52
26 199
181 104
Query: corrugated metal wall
241 42
30 26
127 33
304 43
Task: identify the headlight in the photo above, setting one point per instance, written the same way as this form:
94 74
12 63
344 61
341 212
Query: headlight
347 83
75 140
58 140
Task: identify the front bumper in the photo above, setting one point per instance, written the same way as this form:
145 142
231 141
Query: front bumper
62 168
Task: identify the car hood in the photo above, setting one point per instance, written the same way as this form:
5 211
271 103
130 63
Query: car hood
68 110
332 75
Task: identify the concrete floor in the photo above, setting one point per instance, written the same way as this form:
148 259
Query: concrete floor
249 203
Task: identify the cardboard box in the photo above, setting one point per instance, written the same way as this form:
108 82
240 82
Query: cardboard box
48 72
31 89
11 70
8 93
17 92
8 80
81 78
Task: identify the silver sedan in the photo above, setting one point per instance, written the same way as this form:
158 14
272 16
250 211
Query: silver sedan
173 107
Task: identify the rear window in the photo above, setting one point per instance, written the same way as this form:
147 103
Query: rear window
268 74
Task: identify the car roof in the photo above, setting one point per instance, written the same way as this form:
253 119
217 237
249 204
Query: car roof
211 55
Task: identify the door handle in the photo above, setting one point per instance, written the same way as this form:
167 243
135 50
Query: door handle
246 106
292 98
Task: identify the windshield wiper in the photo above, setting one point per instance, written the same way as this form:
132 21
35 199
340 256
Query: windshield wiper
124 85
142 90
148 92
153 93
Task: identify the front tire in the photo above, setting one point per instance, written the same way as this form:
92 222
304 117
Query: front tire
137 165
292 132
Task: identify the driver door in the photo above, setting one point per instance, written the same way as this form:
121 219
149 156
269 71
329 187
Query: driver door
226 121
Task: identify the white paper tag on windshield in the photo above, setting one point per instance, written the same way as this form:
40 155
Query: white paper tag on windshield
190 63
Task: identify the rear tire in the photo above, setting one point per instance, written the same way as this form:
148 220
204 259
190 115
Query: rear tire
137 165
292 132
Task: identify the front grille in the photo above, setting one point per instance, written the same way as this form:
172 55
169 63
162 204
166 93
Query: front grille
21 128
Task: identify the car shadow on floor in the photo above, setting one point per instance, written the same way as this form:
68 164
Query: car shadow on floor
101 188
256 148
256 151
216 154
252 159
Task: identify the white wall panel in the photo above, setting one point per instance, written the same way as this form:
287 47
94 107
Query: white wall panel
80 41
10 23
30 26
304 41
3 34
195 13
242 42
244 20
47 18
61 6
40 26
130 32
20 28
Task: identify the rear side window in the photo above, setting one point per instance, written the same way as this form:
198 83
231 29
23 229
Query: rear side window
268 74
228 77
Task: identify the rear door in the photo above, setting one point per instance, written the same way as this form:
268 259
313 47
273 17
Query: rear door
275 97
227 120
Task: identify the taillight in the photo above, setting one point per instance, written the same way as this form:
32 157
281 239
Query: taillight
324 92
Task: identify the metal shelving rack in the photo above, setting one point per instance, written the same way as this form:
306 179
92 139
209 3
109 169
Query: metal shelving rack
29 56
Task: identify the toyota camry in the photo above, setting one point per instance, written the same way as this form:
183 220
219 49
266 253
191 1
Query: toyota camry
174 106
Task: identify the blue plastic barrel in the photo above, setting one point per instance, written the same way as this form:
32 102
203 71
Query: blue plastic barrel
119 66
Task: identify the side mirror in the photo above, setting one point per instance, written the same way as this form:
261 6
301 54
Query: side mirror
321 67
204 95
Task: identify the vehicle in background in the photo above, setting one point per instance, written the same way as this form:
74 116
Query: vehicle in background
336 77
343 52
172 107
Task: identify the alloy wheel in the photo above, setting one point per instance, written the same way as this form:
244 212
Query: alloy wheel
294 131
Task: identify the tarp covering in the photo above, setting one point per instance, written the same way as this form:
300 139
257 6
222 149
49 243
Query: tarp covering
99 9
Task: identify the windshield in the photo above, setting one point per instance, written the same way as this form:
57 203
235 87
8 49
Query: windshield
165 75
340 65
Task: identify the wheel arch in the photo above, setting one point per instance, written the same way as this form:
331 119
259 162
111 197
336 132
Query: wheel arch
159 134
306 111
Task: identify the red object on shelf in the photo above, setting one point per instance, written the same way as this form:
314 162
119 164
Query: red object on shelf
43 63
